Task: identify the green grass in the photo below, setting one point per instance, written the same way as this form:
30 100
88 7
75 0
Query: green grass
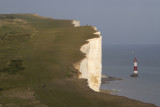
49 78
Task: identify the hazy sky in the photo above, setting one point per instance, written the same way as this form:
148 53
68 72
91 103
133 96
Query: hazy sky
120 21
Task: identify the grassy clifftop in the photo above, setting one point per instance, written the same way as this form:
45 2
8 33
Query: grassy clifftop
36 65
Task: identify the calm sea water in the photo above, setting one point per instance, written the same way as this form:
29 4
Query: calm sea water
118 62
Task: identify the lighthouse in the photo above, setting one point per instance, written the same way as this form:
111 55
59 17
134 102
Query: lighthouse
135 73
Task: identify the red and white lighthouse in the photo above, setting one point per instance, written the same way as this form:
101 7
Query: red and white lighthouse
135 66
135 73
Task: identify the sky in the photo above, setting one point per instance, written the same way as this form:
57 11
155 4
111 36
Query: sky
119 21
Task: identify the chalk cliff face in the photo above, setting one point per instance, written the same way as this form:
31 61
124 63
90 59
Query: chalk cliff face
76 23
90 67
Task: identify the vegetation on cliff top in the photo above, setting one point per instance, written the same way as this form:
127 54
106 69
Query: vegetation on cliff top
36 65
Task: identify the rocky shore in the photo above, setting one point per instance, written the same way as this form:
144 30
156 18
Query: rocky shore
106 79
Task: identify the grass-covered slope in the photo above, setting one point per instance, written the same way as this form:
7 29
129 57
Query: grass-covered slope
36 65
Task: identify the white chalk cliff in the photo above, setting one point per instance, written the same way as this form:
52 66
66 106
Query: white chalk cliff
90 67
76 23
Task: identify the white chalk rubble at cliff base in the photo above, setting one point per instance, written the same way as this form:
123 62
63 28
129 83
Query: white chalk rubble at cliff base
90 67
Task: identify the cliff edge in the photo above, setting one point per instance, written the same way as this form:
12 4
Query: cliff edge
91 67
36 64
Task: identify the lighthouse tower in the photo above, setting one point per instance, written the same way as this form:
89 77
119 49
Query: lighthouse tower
135 66
135 73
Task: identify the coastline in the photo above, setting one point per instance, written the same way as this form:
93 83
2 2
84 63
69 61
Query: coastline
104 79
118 62
49 78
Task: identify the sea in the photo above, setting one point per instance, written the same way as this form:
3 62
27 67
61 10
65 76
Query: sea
118 62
